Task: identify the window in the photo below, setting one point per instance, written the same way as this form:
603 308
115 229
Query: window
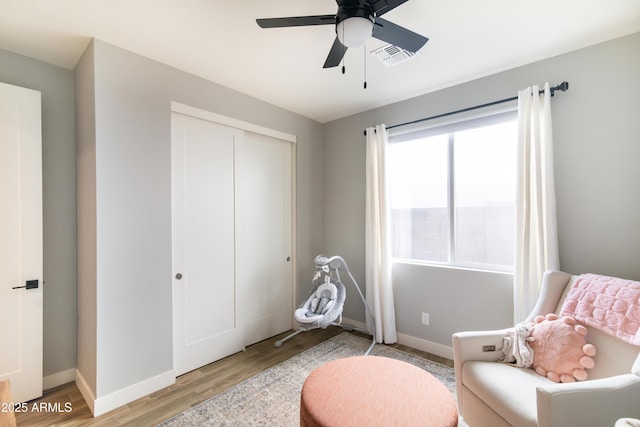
452 193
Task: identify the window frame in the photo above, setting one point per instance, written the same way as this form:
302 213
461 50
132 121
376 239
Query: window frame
450 127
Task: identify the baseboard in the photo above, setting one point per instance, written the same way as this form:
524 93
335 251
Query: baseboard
121 397
424 345
85 391
411 341
59 378
355 323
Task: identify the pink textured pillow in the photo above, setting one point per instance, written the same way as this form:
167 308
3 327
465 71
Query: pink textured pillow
560 350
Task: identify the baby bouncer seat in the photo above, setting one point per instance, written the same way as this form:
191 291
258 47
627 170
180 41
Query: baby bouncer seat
324 305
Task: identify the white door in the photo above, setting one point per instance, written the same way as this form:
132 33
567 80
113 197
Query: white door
206 324
21 241
265 279
232 239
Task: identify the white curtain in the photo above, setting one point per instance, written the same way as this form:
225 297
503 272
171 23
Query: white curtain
536 230
379 287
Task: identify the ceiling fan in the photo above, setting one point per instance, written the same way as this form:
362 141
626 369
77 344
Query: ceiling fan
356 22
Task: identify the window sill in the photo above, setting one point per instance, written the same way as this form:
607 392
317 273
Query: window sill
450 266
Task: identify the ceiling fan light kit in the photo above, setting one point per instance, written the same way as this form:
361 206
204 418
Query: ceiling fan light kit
354 32
356 21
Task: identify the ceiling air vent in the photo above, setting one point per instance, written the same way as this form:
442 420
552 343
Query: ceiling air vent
391 55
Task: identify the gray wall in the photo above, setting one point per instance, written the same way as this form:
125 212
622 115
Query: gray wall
59 201
132 229
597 148
86 215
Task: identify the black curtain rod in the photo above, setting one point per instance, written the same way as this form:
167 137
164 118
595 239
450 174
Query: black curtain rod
564 86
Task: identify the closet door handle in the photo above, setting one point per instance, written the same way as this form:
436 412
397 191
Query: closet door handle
288 258
179 276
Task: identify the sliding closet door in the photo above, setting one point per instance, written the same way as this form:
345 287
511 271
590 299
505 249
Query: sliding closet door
232 239
204 184
265 279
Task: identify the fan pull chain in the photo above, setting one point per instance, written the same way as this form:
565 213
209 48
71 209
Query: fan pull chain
364 51
343 67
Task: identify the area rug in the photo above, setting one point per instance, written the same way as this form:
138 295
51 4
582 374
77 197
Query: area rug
272 398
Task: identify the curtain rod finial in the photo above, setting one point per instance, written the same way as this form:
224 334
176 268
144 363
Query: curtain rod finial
564 86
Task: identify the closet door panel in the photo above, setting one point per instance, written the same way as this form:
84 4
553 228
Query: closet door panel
266 251
203 196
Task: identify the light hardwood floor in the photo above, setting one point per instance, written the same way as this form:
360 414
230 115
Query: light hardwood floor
189 389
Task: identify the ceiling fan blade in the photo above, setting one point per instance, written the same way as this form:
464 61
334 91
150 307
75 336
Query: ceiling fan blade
335 54
296 21
398 36
380 7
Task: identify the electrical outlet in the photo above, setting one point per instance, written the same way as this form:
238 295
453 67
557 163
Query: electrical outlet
425 318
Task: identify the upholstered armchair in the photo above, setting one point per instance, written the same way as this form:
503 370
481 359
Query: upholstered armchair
495 394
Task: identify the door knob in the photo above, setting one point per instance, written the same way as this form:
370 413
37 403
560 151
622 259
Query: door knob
179 276
288 258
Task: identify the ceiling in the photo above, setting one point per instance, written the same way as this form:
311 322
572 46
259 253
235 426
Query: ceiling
220 41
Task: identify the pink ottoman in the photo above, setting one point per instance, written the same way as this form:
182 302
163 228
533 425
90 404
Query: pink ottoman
375 391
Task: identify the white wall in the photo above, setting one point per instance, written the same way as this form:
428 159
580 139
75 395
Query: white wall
597 148
133 278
